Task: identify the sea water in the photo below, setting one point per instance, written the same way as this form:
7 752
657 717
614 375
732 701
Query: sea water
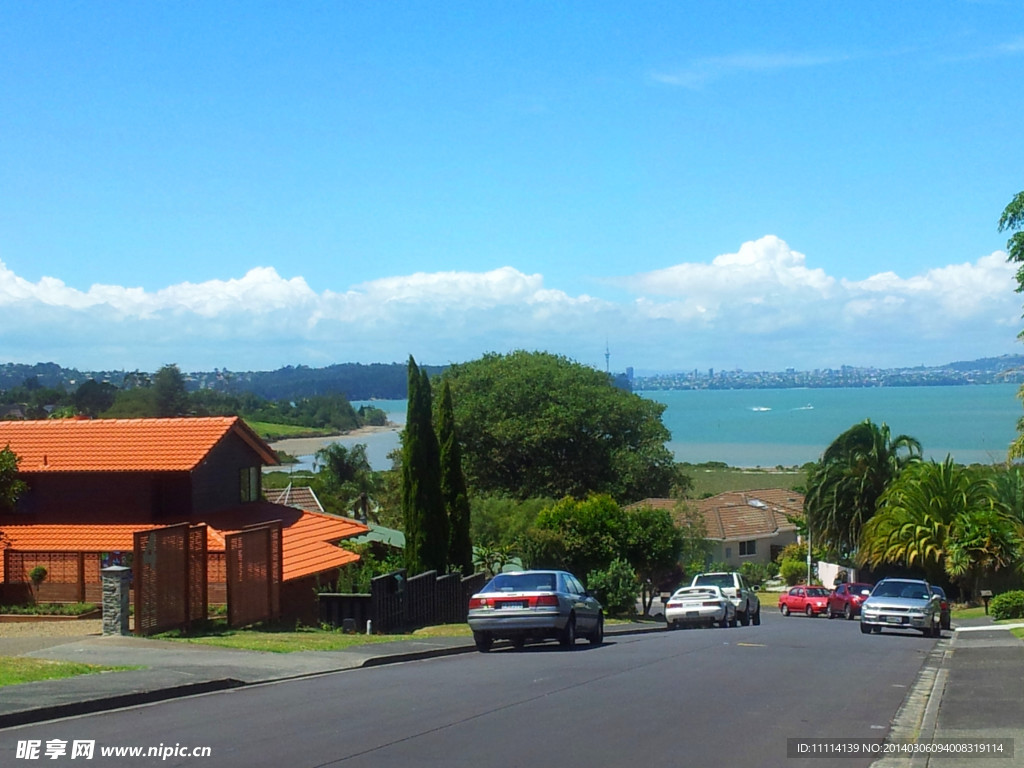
789 427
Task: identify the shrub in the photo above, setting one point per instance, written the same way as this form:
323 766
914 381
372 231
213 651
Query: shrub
49 609
614 587
792 571
1007 605
37 574
758 573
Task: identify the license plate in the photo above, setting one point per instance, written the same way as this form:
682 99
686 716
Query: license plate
692 614
511 604
893 620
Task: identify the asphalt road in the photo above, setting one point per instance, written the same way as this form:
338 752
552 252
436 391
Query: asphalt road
709 697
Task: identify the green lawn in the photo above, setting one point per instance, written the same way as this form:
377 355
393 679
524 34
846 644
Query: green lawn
304 639
711 480
18 669
270 431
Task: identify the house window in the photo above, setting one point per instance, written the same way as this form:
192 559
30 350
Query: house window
748 548
250 484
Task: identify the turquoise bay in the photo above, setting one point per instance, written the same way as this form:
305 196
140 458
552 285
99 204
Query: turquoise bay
770 427
789 427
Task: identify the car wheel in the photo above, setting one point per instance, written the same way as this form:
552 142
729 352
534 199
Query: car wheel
725 620
945 624
483 641
744 617
830 614
848 612
597 636
809 610
865 629
568 638
784 609
756 619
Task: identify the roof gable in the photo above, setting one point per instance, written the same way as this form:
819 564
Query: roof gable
123 445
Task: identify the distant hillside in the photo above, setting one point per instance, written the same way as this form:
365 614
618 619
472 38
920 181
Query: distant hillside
384 381
387 381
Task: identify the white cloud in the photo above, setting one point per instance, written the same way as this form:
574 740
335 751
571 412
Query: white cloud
762 307
700 71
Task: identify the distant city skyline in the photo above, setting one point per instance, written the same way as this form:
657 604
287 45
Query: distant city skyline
221 185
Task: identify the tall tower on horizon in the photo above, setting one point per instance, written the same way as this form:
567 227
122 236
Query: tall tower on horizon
607 358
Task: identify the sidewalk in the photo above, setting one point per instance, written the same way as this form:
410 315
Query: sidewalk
971 688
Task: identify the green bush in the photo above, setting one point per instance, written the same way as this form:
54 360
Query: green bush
792 571
1007 605
615 587
49 609
757 574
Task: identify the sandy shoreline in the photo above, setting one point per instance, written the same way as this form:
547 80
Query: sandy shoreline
307 446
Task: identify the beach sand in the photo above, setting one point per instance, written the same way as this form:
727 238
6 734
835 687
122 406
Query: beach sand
307 446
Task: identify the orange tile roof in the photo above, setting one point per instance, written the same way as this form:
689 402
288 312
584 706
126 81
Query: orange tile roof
122 445
742 514
308 538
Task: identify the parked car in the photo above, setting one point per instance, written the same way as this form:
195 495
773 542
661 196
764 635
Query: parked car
804 598
846 600
744 598
902 604
534 605
944 612
699 606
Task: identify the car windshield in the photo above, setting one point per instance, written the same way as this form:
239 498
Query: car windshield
905 589
716 579
817 592
522 582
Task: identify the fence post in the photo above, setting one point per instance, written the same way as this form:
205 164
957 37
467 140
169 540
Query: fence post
115 599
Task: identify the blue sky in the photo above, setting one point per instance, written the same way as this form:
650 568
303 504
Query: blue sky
747 185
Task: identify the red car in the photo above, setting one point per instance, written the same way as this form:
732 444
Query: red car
845 600
804 599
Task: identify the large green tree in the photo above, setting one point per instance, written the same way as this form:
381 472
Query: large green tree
1012 221
11 487
844 486
944 519
453 488
537 424
423 513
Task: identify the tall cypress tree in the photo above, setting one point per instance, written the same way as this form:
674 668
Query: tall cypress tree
453 488
423 512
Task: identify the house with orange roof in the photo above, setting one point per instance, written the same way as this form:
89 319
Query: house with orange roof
744 526
93 483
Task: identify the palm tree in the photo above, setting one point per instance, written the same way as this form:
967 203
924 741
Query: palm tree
945 519
846 483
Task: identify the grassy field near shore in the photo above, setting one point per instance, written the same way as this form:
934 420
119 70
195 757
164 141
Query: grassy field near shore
712 479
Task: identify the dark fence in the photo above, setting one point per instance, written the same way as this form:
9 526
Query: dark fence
166 564
399 604
254 567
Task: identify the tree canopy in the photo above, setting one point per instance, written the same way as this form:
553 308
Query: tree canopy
844 486
536 424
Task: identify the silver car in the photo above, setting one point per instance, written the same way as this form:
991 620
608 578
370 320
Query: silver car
902 604
534 605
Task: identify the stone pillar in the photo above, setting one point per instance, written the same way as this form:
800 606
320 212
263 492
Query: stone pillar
116 583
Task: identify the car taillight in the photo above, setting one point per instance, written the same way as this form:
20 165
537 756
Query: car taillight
477 602
544 601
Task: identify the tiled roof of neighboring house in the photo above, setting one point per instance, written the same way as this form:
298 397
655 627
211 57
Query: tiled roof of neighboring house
742 514
300 497
308 538
122 445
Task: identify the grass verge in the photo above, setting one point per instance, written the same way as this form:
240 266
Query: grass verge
290 640
19 669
